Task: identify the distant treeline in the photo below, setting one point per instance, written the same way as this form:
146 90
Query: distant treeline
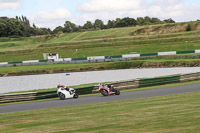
20 26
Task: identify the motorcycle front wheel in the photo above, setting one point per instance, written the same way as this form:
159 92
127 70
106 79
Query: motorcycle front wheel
117 92
104 92
61 96
75 95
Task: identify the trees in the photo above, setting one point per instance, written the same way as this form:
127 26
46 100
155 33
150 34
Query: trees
69 27
26 24
169 20
156 21
147 20
98 24
88 25
10 27
111 24
19 26
2 29
188 28
58 29
140 21
125 22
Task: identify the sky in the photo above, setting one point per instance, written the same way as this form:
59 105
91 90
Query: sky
53 13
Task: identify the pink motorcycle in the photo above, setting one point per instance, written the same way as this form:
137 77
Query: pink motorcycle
107 90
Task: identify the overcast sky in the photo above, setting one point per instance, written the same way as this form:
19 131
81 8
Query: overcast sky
53 13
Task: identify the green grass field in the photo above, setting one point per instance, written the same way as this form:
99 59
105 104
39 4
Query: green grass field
173 113
116 41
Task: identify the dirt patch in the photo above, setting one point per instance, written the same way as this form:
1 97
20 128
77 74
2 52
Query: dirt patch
196 44
166 28
6 124
50 36
78 36
22 121
2 127
197 116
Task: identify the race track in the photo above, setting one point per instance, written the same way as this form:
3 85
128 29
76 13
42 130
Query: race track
98 99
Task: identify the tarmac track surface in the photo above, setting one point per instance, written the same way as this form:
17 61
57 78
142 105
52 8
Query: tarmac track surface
99 98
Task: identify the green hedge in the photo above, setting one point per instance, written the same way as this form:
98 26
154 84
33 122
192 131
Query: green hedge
84 90
46 94
159 80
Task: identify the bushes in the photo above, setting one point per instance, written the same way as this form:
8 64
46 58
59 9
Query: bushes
188 28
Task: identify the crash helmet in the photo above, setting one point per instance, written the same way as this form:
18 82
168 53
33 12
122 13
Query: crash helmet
58 86
109 86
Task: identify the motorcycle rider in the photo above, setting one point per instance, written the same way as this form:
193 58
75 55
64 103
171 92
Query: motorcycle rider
69 90
66 88
108 88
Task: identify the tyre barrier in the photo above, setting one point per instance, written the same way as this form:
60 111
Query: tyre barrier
189 77
121 85
17 97
159 80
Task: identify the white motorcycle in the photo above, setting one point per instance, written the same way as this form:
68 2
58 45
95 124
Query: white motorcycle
65 93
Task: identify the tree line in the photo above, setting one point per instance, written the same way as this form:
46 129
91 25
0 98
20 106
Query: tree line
20 26
117 23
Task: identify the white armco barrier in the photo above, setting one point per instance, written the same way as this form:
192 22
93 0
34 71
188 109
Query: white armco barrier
167 53
197 51
58 60
130 55
3 63
30 61
67 59
96 58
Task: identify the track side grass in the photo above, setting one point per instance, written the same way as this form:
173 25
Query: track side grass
172 113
